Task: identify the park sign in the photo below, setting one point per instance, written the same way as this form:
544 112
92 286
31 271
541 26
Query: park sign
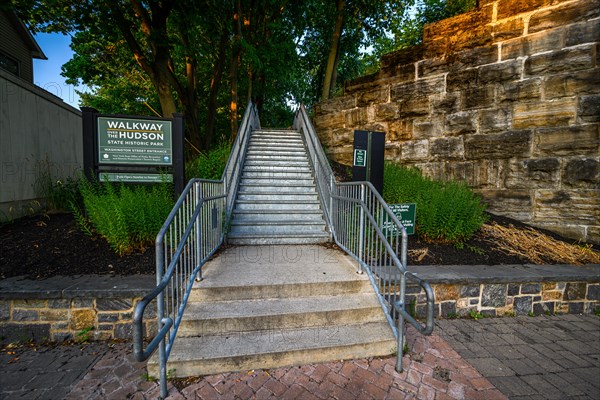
133 149
406 214
134 141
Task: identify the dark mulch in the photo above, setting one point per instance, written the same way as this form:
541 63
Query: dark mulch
48 245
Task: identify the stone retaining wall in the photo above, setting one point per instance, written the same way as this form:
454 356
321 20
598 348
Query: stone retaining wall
505 97
61 319
507 299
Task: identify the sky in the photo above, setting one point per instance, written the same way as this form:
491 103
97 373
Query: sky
46 73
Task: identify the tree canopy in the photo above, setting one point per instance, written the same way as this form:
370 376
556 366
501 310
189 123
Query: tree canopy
205 58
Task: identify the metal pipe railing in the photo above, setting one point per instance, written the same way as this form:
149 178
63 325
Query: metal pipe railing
192 233
355 214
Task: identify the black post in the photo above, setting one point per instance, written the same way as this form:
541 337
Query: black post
178 157
90 152
368 158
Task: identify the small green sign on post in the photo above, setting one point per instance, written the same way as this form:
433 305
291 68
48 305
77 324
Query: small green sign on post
360 158
406 214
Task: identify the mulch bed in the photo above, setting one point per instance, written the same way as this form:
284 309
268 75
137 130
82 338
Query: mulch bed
49 245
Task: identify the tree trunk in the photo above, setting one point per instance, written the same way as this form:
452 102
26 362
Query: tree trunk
235 62
215 84
340 6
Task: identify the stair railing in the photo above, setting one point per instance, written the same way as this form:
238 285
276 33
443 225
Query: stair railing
192 233
363 225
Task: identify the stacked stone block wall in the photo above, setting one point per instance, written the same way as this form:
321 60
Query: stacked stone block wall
505 97
59 319
508 299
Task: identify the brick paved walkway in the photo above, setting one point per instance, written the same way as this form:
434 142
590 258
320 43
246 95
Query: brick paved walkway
433 370
544 357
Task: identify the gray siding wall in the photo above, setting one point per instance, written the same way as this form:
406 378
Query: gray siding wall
35 127
12 45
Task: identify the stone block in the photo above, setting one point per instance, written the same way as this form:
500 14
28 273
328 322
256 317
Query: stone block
378 95
565 14
109 317
500 72
506 9
470 291
494 120
532 44
360 83
493 295
501 145
458 80
448 308
386 111
444 149
54 315
398 130
582 83
557 62
528 89
444 292
560 112
582 32
460 123
82 303
575 291
531 288
566 141
422 87
10 333
462 171
30 303
402 57
593 292
413 107
523 305
428 127
463 31
549 286
444 103
593 235
415 150
458 61
563 228
123 331
392 152
549 295
433 170
399 73
589 108
574 207
583 172
21 315
512 203
355 117
82 319
543 308
336 104
576 308
514 289
113 304
478 97
508 28
533 173
4 310
331 120
58 303
341 137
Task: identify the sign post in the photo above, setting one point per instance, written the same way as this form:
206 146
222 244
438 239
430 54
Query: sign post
133 149
368 158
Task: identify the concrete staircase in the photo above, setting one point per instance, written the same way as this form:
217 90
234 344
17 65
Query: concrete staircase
262 307
277 201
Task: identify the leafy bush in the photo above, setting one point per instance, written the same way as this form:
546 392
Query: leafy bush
60 194
209 165
128 217
446 211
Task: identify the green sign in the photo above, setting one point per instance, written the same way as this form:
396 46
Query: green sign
134 141
360 158
406 214
134 177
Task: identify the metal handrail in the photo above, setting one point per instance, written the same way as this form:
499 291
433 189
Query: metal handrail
355 213
192 233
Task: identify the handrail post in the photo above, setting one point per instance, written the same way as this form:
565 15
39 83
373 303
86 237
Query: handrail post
160 311
361 232
401 304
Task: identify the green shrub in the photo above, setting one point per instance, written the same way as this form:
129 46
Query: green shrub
59 194
128 217
446 211
209 165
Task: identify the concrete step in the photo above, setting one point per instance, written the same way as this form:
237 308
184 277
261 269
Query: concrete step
275 163
269 187
276 148
302 228
271 218
265 152
276 175
278 238
274 348
276 140
282 182
277 196
218 317
290 205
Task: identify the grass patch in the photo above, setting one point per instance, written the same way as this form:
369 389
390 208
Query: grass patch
538 247
447 212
